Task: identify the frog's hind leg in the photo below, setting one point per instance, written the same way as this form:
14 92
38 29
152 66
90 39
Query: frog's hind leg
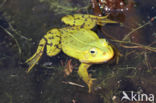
79 20
52 42
83 73
53 45
35 58
85 20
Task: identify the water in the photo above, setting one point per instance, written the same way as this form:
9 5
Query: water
24 22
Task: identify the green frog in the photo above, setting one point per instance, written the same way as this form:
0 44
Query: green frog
78 41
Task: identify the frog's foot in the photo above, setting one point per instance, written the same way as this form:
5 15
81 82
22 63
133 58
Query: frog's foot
104 20
117 54
35 58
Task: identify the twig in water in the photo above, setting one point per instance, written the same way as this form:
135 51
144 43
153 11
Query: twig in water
137 45
151 20
9 96
106 34
19 49
2 4
21 36
72 83
147 61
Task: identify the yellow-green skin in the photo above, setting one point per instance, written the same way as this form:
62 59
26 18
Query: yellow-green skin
77 41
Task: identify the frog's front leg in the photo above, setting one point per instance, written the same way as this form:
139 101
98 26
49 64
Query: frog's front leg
83 73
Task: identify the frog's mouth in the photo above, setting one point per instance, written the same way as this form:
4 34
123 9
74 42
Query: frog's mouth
106 57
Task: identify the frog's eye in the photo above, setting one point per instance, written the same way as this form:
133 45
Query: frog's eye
93 51
106 41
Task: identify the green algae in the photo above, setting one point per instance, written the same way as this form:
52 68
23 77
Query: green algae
67 6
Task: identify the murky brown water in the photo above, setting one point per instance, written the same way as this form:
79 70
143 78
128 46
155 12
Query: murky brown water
24 22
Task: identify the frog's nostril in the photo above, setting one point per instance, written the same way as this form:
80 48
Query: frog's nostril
104 53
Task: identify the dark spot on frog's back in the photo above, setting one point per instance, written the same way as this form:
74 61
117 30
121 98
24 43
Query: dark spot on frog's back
50 32
82 26
51 44
72 29
57 36
41 45
57 46
85 19
61 32
65 30
45 39
60 42
74 23
51 37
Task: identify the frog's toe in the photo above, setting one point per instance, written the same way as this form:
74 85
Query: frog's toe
90 77
93 79
90 84
103 22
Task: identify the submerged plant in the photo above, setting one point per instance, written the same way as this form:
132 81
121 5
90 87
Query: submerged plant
66 6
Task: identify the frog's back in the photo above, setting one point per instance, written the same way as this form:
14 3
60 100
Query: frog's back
74 40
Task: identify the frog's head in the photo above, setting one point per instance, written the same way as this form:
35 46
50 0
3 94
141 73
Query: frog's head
98 52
